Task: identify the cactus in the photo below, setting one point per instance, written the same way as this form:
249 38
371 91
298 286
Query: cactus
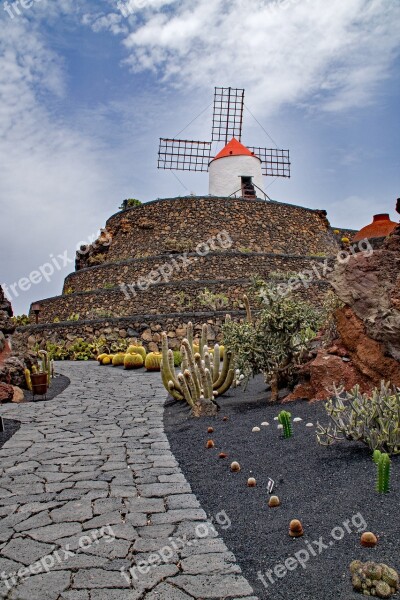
137 350
153 361
118 360
107 360
285 419
373 420
28 379
45 364
133 361
201 378
383 463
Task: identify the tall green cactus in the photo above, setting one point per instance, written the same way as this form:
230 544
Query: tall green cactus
285 419
201 379
384 464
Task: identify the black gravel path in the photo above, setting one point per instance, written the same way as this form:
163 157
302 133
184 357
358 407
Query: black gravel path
323 487
10 427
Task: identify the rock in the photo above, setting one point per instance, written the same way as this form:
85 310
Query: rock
319 376
369 284
18 396
6 393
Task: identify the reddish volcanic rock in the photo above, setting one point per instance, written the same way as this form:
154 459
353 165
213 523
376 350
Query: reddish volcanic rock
367 355
6 393
321 374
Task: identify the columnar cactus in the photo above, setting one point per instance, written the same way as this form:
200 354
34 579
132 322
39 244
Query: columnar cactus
285 419
383 463
202 379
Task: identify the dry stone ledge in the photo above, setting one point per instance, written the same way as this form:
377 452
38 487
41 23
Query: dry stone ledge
89 487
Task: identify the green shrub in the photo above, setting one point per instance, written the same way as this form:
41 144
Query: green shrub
130 203
277 340
21 320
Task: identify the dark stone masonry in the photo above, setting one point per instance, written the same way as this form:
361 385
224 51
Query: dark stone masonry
159 258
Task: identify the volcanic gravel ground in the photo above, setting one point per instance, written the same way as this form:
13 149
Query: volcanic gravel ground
323 487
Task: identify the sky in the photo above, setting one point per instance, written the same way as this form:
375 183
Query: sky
87 89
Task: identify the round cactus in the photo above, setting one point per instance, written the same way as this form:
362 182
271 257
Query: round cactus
133 361
118 360
137 350
153 361
107 360
101 357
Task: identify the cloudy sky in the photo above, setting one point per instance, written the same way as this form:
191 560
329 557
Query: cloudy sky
87 88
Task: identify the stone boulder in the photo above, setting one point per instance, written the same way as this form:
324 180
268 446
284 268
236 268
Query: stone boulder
369 284
6 393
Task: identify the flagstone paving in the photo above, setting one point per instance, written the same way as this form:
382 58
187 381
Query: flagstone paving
93 505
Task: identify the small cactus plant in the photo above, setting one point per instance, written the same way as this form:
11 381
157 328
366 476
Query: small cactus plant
133 361
137 350
153 361
383 463
285 419
118 360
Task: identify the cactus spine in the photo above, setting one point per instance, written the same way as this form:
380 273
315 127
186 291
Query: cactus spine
285 419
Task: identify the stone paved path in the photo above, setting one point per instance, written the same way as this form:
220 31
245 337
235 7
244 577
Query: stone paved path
89 487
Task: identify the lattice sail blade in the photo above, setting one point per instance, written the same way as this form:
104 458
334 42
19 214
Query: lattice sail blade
228 114
184 155
275 162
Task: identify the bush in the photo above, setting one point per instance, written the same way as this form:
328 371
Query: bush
373 420
130 203
21 320
277 341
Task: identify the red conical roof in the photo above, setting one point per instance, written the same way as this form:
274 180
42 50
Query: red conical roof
381 226
234 148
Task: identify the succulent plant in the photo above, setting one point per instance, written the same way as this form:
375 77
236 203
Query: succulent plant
369 539
285 419
28 379
210 430
384 464
107 360
235 467
153 361
296 528
118 360
201 378
374 579
373 420
210 444
133 361
137 350
274 502
101 357
251 482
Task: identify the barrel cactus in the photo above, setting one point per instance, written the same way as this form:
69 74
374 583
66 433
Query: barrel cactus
118 360
153 361
133 361
137 350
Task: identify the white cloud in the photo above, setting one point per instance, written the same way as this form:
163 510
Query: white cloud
327 54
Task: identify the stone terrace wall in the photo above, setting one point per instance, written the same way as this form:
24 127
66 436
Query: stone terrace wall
147 328
216 265
172 224
158 299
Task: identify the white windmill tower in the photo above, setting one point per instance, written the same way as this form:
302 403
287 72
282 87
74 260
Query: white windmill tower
237 170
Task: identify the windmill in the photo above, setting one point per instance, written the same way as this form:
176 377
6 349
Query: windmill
237 170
